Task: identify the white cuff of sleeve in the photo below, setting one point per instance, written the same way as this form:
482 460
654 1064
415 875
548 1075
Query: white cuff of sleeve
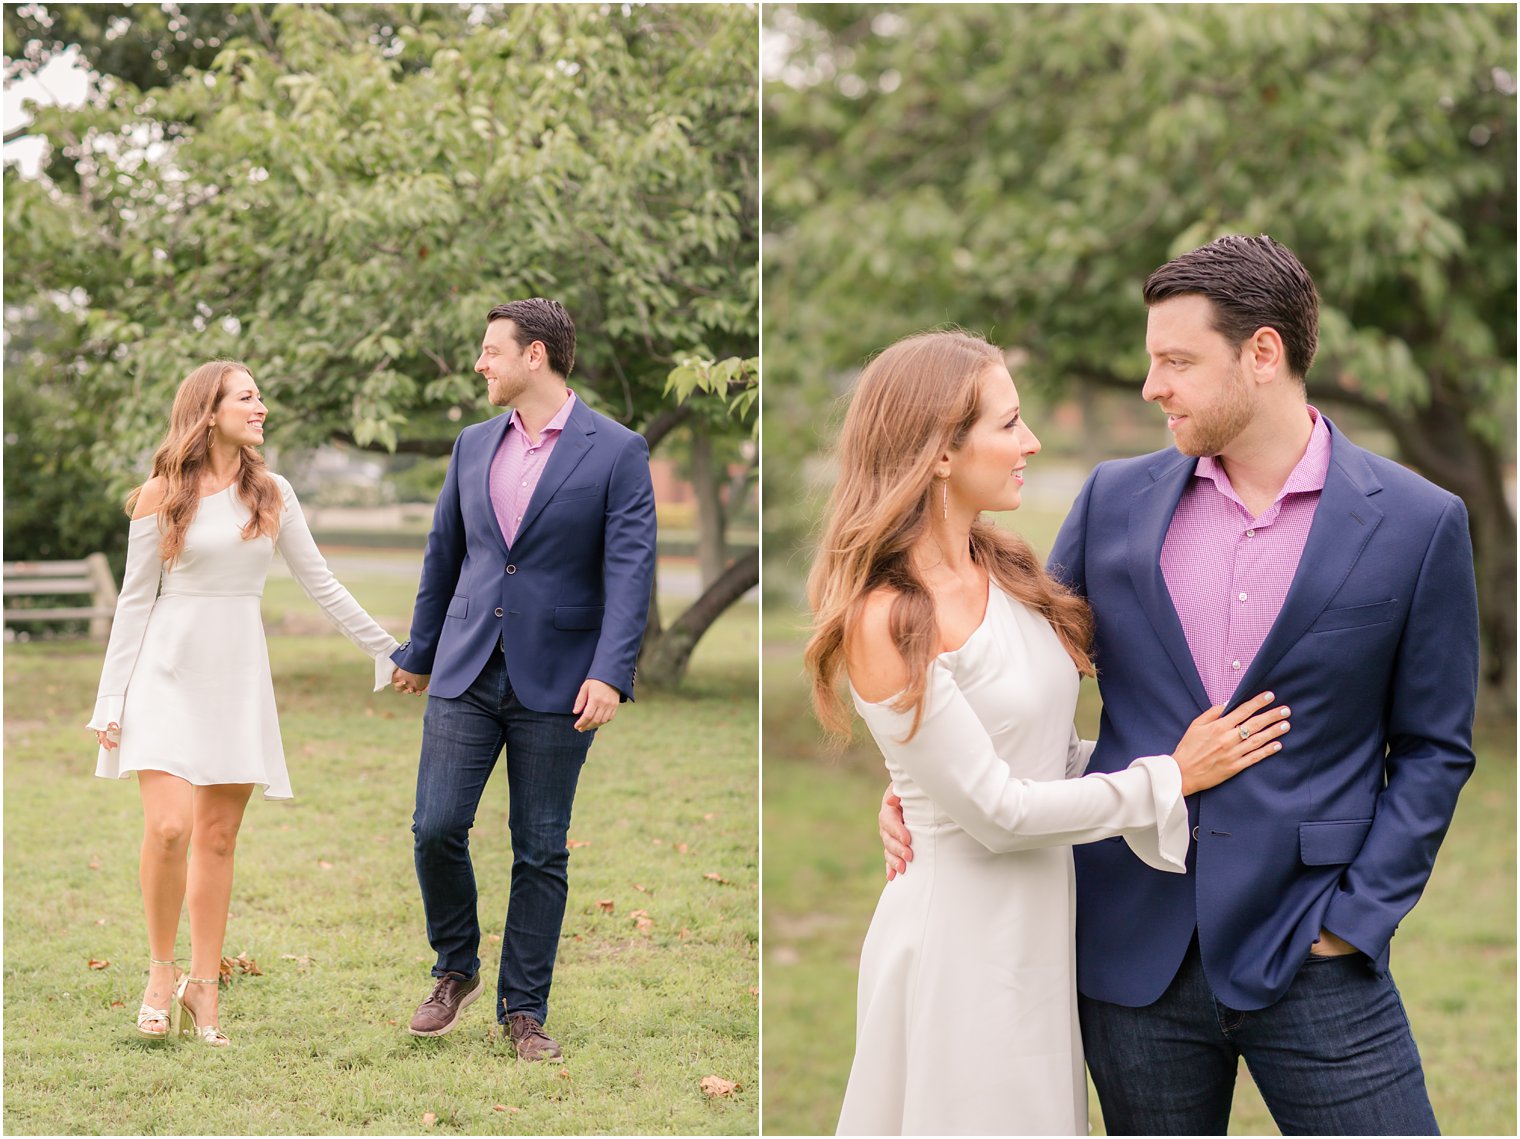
107 712
385 667
1164 846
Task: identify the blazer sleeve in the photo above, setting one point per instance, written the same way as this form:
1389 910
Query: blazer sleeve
1067 561
134 605
628 559
1430 707
299 549
952 758
441 565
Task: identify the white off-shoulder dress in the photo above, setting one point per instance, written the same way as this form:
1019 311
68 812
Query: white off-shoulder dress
967 1013
186 673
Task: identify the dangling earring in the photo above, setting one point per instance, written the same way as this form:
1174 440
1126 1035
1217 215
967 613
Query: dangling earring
945 499
210 435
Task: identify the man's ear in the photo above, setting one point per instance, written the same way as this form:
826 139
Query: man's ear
1265 354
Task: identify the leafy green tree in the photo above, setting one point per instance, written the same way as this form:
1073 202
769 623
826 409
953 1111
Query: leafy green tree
1021 168
341 192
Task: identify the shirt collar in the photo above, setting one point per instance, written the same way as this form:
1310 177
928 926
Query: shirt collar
557 424
1308 475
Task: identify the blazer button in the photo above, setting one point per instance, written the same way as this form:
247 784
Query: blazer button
498 613
511 569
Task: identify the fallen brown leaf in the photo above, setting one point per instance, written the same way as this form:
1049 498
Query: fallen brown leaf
562 1074
303 961
242 963
98 964
754 990
658 841
118 1004
717 1086
682 847
95 862
605 905
713 876
641 889
685 933
429 1118
710 816
577 843
493 937
324 864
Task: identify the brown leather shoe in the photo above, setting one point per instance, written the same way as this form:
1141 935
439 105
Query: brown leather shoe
440 1012
530 1039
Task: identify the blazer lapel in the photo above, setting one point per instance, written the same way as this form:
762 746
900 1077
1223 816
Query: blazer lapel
1344 522
1150 515
573 445
492 437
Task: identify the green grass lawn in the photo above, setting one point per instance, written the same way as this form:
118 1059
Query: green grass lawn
1453 958
326 904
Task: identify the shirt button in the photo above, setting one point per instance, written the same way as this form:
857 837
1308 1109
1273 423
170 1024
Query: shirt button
1250 533
1242 596
1234 664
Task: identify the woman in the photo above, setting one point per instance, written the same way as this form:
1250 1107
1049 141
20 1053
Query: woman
185 696
964 659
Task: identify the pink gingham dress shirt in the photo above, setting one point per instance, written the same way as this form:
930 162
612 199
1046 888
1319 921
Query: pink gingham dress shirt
1228 573
519 464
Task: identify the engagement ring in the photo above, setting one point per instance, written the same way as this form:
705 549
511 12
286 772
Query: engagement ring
1245 732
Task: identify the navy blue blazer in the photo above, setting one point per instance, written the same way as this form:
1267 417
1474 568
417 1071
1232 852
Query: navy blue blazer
569 599
1375 651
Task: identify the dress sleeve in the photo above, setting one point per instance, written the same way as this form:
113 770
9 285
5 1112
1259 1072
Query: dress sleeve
134 604
952 758
300 552
1078 753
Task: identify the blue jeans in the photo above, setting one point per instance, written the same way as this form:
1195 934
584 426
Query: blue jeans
1334 1056
461 739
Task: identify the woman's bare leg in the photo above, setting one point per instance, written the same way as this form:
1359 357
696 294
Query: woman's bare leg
167 819
218 815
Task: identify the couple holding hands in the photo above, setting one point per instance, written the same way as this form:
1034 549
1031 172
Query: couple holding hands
529 615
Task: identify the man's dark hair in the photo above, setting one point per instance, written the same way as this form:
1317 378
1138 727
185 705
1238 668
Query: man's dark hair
1254 282
545 321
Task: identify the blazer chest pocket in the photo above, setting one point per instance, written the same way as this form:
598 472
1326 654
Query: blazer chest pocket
459 607
567 493
578 617
1331 843
1355 616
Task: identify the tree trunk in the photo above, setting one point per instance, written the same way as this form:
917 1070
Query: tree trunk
711 554
663 661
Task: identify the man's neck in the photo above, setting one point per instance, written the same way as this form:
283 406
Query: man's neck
1260 459
538 406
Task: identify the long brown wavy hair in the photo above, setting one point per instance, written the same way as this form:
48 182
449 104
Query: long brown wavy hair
182 457
913 402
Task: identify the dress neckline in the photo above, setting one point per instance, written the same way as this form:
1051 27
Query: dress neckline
980 625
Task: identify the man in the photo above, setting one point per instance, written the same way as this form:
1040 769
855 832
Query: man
534 591
1265 551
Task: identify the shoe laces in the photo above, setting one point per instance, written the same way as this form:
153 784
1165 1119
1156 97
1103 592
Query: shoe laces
437 994
522 1026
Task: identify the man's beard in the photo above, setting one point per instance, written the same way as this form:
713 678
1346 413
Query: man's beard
1215 427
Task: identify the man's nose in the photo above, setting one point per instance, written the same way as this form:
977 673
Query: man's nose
1152 387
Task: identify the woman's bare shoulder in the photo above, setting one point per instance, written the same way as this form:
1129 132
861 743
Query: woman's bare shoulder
875 666
150 498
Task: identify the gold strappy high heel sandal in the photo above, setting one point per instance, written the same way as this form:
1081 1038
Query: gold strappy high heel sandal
205 1033
149 1018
